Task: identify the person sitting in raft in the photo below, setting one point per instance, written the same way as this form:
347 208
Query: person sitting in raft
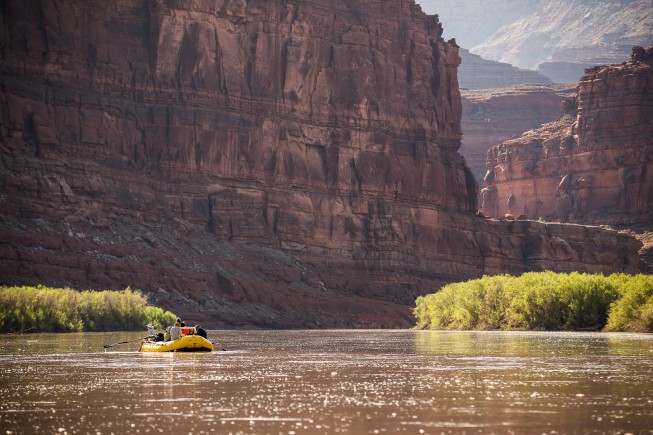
200 331
175 332
157 336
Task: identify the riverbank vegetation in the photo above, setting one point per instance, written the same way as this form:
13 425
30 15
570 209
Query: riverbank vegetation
43 309
542 301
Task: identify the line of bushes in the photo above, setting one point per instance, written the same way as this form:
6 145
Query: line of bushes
542 301
43 309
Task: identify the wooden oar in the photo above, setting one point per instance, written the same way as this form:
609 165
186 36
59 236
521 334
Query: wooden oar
106 346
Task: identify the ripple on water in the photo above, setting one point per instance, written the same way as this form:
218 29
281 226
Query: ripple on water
333 382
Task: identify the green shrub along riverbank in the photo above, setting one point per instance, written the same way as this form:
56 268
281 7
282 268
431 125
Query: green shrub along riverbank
43 309
542 301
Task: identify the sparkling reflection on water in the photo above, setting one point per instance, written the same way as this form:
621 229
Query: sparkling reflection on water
308 382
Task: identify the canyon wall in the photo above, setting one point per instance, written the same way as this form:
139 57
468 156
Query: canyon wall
595 165
584 32
557 38
472 22
251 163
491 116
478 73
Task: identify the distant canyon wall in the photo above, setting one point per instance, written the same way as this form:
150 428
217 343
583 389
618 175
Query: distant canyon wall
491 116
558 38
594 165
478 73
472 22
251 163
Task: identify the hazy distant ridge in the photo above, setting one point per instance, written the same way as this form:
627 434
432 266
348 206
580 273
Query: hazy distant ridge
529 33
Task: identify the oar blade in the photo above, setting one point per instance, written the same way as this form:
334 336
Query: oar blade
106 346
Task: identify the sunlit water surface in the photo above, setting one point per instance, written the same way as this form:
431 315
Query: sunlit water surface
308 382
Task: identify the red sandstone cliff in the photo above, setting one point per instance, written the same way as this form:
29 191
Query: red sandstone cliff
252 162
491 116
592 166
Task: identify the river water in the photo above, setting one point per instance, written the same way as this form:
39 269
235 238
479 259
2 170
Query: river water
325 382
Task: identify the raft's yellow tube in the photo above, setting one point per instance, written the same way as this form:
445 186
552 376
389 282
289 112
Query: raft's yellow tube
187 343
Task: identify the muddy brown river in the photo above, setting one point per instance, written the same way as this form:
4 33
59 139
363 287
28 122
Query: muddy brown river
326 382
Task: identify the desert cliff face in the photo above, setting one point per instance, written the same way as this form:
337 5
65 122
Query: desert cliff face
494 115
253 162
592 166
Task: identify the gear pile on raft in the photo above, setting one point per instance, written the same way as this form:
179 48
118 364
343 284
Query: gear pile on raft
177 338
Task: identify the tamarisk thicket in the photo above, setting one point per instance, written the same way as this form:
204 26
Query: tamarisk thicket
43 309
542 301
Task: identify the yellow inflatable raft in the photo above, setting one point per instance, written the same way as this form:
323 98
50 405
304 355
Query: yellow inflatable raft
186 343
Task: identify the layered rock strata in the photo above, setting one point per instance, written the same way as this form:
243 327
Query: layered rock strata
478 73
569 32
250 163
592 166
491 116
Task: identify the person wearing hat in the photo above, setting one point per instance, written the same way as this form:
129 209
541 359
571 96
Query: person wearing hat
179 322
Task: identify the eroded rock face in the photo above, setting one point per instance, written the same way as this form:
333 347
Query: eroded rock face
250 163
593 166
491 116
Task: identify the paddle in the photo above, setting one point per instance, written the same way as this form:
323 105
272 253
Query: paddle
215 343
106 346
